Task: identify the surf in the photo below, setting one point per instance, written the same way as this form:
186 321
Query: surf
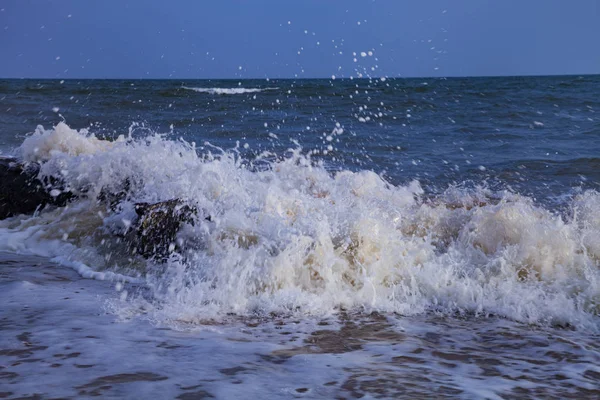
222 91
288 236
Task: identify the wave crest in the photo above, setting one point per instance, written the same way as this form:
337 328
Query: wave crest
295 238
236 90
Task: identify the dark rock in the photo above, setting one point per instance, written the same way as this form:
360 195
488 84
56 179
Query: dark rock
154 233
158 224
114 197
21 192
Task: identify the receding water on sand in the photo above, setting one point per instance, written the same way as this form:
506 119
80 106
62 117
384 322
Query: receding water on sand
59 340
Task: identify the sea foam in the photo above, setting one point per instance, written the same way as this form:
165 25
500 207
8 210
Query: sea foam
296 238
236 90
43 144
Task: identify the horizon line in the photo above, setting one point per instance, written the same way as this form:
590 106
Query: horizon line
307 78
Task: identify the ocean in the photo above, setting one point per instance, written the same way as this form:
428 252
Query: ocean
345 238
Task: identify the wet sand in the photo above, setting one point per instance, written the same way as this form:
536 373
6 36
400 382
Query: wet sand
58 339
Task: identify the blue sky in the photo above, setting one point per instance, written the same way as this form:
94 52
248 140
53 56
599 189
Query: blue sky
293 38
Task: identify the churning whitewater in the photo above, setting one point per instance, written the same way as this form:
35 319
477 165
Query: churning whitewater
287 235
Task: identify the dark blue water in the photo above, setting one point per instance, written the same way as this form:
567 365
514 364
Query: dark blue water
538 136
305 282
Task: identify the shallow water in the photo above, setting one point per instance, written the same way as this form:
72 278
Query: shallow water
58 341
357 238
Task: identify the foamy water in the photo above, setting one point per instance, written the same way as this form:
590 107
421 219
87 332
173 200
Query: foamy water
236 90
426 238
294 239
58 340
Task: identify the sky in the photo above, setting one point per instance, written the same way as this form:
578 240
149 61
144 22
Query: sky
297 38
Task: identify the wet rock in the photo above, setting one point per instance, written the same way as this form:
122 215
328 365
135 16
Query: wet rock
114 197
157 226
21 192
154 233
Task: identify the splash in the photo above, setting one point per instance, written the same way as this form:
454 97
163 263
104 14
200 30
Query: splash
44 144
294 238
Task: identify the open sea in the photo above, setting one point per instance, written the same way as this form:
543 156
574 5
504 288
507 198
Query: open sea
352 238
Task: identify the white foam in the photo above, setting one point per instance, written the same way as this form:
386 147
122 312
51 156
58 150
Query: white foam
295 239
227 90
52 318
43 144
87 272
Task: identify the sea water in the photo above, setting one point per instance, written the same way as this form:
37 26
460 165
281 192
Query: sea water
353 238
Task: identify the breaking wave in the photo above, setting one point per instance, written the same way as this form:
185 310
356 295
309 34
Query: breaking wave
227 90
296 238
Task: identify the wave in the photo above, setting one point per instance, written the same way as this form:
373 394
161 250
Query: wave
294 238
237 90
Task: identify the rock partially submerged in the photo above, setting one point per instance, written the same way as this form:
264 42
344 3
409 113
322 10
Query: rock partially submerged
21 192
154 233
157 226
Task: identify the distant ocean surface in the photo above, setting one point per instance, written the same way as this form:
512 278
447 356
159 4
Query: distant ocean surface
374 238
